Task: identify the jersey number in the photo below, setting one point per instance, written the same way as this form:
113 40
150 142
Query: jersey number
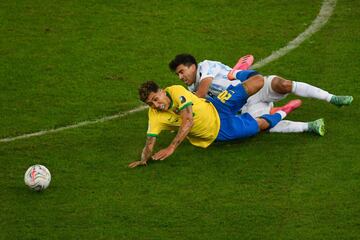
224 96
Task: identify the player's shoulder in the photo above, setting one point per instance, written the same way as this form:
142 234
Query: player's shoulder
210 64
206 62
175 88
179 94
152 113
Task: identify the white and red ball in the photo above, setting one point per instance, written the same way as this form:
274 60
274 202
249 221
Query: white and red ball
37 177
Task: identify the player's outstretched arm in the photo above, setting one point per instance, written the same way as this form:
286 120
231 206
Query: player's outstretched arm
203 88
146 153
185 127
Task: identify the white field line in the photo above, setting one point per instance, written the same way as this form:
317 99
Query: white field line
321 19
324 15
77 125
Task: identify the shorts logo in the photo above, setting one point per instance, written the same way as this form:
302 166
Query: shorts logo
182 99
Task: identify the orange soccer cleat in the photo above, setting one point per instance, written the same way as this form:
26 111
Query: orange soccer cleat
243 64
288 108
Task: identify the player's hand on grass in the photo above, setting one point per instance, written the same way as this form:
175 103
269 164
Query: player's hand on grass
137 163
164 153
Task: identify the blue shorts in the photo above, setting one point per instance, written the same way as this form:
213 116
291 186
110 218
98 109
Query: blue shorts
237 127
231 100
233 126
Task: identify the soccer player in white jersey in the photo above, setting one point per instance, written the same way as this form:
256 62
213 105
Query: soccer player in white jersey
209 78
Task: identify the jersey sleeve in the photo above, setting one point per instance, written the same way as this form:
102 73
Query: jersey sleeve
154 125
208 69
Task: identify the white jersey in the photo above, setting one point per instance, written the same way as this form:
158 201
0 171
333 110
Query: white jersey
218 71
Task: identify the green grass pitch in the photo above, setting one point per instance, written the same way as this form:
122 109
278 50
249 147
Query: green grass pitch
65 62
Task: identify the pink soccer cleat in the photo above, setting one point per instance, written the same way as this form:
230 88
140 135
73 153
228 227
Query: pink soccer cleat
288 108
243 64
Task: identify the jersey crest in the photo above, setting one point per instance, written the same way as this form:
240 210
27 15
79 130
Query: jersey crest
182 99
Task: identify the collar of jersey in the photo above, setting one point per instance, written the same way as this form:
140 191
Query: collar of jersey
198 75
171 101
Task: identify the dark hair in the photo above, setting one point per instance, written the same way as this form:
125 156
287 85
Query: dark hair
146 88
184 58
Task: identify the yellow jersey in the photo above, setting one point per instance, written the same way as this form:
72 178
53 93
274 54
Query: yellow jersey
206 121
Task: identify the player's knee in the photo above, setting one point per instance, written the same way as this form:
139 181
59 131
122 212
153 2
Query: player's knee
254 84
281 85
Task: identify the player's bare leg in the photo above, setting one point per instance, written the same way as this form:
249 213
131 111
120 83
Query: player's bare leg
253 84
284 86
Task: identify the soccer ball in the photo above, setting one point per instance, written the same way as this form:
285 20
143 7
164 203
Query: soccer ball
37 177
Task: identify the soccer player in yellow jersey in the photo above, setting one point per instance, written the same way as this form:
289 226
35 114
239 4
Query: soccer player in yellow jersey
202 121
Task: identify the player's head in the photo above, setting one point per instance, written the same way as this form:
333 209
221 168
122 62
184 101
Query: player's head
185 66
151 94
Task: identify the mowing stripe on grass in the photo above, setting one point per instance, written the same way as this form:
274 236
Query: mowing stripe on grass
321 19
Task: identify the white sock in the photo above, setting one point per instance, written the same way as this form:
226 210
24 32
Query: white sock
235 72
306 90
282 114
286 126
